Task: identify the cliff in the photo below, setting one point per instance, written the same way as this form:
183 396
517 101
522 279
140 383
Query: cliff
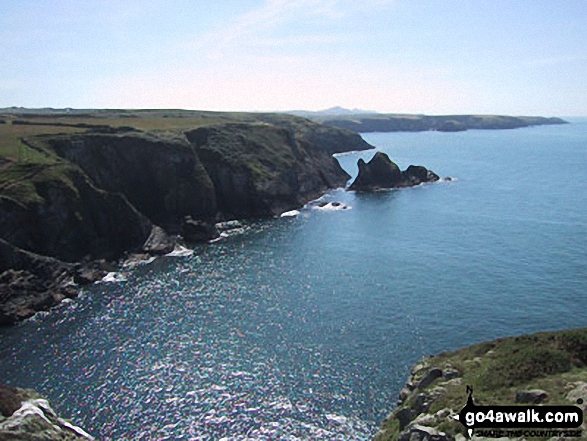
96 187
362 123
544 368
26 416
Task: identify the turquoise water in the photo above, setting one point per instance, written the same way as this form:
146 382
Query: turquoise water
305 327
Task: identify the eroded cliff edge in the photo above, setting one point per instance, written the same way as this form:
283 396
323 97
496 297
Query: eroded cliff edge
101 192
544 368
27 416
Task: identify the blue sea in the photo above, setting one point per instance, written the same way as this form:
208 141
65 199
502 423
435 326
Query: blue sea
304 327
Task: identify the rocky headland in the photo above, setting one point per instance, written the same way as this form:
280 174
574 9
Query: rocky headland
382 173
377 122
79 193
544 368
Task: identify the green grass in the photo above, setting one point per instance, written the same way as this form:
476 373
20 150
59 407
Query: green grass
496 370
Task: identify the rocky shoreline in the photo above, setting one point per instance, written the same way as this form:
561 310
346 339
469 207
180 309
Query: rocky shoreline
544 368
96 197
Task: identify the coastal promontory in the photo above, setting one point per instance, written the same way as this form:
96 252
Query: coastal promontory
84 188
547 368
381 122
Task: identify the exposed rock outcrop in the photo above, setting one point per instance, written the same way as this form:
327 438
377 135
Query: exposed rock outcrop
29 283
26 416
104 193
161 176
264 170
59 212
436 390
381 173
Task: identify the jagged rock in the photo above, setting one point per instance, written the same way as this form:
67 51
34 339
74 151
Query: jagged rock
533 396
449 374
416 174
432 375
228 225
10 400
424 400
159 242
161 176
404 416
423 433
422 403
578 391
28 417
198 231
381 173
30 283
404 394
93 271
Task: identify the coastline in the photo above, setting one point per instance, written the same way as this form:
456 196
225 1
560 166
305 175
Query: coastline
546 368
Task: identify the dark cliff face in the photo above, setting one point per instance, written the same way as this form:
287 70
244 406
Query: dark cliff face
380 173
70 218
162 177
261 169
100 194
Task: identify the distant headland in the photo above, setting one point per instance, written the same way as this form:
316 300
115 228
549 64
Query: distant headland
363 121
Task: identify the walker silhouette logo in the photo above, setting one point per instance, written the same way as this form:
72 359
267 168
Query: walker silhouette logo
563 418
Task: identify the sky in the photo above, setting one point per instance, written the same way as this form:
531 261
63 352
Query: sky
516 57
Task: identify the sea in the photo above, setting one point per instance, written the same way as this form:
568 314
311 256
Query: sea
304 327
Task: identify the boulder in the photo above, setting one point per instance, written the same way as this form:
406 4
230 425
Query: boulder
449 374
423 433
417 174
532 396
432 375
198 231
26 416
404 416
159 242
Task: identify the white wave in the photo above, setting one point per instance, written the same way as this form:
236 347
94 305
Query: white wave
354 152
231 232
448 179
136 261
180 251
290 213
332 206
336 418
228 225
113 277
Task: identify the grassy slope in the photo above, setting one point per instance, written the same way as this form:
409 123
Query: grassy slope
551 361
24 160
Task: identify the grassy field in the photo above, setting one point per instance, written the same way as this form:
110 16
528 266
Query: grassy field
22 158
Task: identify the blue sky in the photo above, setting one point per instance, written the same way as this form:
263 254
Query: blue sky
510 57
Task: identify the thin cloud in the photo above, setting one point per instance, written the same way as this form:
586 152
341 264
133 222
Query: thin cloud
248 27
